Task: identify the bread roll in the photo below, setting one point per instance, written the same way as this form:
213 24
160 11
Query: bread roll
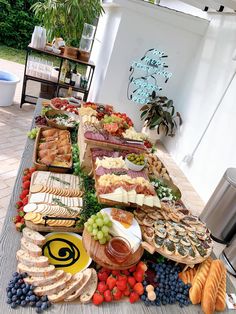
221 296
211 287
195 293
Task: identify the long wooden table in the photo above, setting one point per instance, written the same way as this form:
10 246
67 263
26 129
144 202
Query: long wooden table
10 243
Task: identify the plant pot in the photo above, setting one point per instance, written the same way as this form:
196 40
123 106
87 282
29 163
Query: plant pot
152 135
71 52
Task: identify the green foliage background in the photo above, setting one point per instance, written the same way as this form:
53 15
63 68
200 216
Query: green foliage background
17 22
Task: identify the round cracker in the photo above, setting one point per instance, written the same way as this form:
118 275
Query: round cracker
30 216
36 188
30 207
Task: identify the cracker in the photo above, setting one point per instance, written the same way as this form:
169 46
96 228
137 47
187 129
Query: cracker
30 216
36 188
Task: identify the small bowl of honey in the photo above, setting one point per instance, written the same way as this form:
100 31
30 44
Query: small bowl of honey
118 250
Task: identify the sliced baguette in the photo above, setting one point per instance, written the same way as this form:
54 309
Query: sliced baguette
71 287
33 236
87 275
53 288
42 281
25 258
31 248
89 292
37 271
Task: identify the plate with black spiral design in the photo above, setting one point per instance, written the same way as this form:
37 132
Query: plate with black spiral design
65 250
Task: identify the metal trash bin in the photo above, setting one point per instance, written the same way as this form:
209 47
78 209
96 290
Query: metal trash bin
219 213
228 256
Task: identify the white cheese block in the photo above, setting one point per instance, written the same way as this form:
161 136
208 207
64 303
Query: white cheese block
125 197
148 200
140 199
156 202
116 196
132 196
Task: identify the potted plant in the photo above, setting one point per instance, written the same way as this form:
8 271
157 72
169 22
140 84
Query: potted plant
66 18
160 116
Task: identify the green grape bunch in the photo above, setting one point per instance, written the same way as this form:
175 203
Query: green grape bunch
99 226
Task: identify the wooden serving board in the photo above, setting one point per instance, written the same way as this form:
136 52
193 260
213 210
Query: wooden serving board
188 261
97 253
42 228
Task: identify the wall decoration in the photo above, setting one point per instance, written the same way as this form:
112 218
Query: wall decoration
143 80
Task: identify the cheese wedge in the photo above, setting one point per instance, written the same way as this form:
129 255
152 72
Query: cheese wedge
156 202
140 199
148 200
125 197
132 196
116 196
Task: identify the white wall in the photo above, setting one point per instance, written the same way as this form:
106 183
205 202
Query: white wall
208 77
143 26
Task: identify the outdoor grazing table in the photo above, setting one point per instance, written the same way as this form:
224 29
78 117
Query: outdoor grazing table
10 243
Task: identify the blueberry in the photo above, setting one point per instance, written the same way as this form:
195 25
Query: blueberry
15 280
33 298
17 285
39 310
15 274
13 290
19 292
145 283
14 298
9 294
23 303
27 299
20 281
24 275
23 285
161 290
155 280
32 287
158 302
29 293
39 303
163 302
11 285
147 303
13 305
44 306
32 304
143 297
25 290
180 290
9 301
18 302
22 297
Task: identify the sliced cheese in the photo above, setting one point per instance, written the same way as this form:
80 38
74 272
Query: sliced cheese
149 200
156 202
125 197
116 196
140 199
132 196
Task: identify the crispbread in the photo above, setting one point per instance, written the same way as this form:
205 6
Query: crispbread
33 236
36 271
28 260
31 248
88 293
87 274
53 288
42 281
72 286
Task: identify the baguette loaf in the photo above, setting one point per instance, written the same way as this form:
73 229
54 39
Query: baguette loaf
37 271
71 287
31 248
53 288
221 296
42 281
89 292
25 258
211 287
87 275
195 292
33 236
188 275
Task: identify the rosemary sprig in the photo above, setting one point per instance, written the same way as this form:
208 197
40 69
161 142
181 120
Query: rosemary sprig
59 180
59 203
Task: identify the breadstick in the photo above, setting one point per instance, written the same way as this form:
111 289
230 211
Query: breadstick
221 296
195 293
211 287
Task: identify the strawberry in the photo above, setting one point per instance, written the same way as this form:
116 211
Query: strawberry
117 294
138 287
26 185
17 219
121 285
131 281
102 275
25 201
31 170
107 296
102 287
97 298
20 209
127 291
26 171
22 220
19 204
19 226
111 282
24 194
106 270
141 266
133 297
24 178
122 278
115 272
139 275
132 269
125 272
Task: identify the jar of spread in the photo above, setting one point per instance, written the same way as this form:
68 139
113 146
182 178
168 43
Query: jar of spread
118 250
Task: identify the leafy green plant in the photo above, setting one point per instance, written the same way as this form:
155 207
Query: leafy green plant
160 112
66 18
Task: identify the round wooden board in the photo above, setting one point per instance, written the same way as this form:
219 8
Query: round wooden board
97 253
42 228
188 261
